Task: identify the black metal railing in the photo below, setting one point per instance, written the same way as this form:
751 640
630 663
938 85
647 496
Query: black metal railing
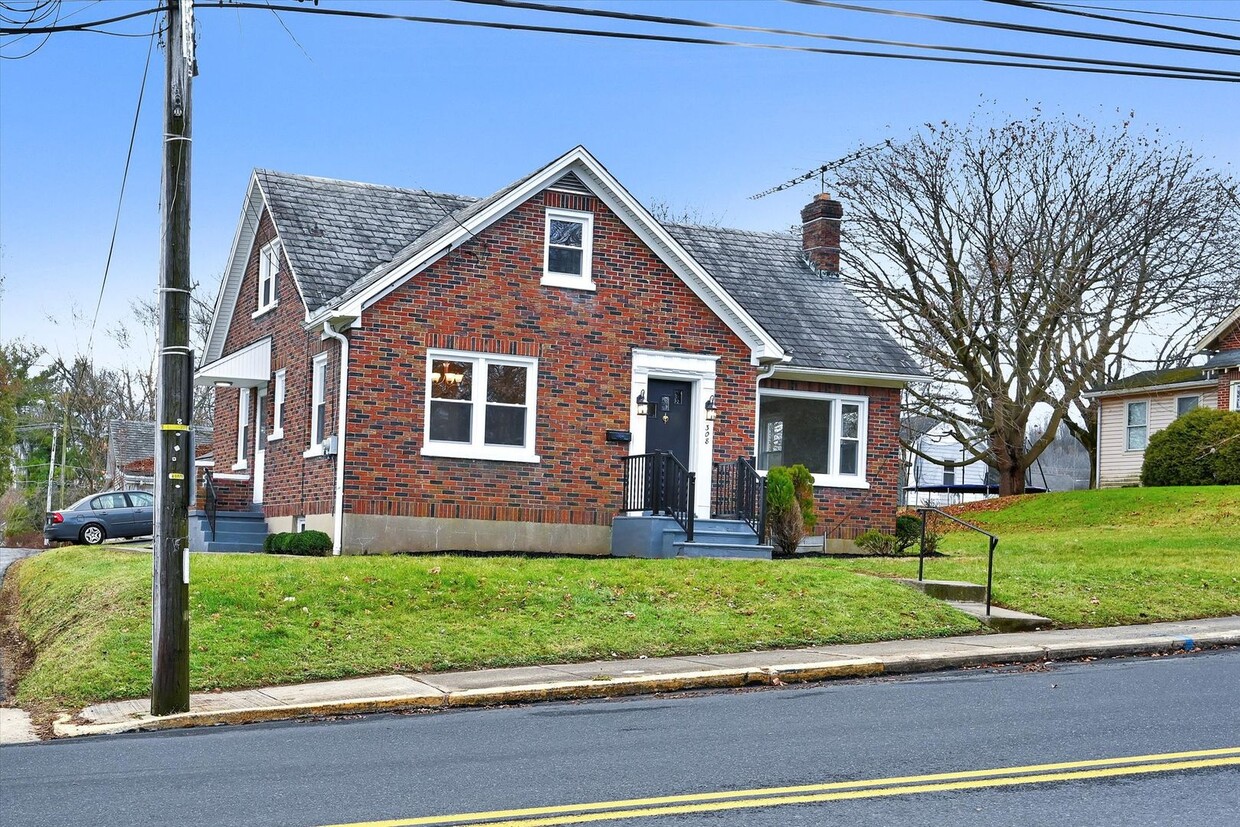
738 492
661 484
213 500
990 559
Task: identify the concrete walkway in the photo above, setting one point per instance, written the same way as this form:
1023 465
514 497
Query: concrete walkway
15 727
650 675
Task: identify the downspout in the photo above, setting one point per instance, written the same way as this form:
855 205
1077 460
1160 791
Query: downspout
338 513
766 373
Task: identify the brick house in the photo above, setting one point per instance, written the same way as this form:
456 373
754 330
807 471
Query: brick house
1221 347
504 359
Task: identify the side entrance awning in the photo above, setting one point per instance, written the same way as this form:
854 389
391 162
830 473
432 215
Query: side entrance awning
245 368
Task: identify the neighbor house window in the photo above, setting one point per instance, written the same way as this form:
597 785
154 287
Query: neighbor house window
268 268
949 476
1235 397
243 427
277 407
569 241
480 406
1138 425
318 402
823 432
1185 404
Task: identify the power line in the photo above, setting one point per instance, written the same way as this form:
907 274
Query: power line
1019 27
1026 4
1181 73
680 21
1181 15
120 199
81 27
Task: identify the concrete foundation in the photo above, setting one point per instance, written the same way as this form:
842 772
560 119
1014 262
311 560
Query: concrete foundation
370 534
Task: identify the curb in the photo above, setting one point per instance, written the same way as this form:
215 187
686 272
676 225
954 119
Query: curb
571 690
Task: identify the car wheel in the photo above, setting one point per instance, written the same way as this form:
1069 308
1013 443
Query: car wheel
93 535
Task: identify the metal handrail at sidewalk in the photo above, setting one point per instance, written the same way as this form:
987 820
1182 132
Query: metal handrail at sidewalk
990 561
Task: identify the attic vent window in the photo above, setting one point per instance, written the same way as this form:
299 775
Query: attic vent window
568 249
268 268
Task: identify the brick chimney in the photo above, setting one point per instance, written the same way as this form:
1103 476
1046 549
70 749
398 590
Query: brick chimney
820 233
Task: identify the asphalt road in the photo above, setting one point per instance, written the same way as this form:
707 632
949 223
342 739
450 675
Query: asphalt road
418 765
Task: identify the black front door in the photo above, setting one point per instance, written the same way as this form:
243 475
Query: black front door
667 429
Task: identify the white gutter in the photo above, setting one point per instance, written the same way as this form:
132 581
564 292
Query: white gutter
1198 384
338 513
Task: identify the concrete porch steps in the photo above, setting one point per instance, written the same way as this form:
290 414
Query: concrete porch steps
748 551
235 531
970 598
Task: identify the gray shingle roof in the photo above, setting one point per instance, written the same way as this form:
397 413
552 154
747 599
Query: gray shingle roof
816 317
335 232
130 440
340 236
1154 379
1222 360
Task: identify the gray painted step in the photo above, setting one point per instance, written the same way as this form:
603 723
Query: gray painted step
730 550
216 545
947 589
707 536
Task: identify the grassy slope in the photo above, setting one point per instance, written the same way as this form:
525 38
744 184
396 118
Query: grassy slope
87 612
1097 558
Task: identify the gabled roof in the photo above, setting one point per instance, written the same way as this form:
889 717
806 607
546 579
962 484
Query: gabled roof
335 232
1210 342
130 440
815 317
348 244
1222 360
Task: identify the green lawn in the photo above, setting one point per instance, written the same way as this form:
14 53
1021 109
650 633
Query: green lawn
1089 558
262 620
1101 558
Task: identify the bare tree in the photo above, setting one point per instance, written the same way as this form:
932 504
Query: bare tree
1029 261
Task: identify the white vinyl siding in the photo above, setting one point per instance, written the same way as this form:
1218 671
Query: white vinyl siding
1119 466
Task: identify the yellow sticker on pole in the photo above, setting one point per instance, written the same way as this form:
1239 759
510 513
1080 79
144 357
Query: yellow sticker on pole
176 476
173 427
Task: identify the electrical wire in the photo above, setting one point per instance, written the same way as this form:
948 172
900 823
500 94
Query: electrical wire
680 21
1184 73
1026 4
107 267
50 7
1181 15
1019 27
80 27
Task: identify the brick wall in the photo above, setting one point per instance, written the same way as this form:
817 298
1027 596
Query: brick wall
846 512
1225 378
293 484
486 297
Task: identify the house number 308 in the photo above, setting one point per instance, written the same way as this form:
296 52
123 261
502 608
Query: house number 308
707 439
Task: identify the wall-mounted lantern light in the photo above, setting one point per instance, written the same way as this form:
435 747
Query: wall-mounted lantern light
710 409
643 407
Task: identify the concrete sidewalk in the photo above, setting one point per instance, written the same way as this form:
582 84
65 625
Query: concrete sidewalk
602 679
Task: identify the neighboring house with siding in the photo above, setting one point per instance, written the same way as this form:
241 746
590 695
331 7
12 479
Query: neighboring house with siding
410 371
933 479
1131 409
131 450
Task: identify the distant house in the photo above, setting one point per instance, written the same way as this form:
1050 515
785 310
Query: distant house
1132 409
931 478
131 453
411 371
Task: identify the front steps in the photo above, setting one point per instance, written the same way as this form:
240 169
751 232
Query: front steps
970 598
653 536
234 531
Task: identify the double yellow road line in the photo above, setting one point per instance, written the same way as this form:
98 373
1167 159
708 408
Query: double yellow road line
668 805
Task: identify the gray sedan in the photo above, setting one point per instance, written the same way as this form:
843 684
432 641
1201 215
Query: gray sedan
93 519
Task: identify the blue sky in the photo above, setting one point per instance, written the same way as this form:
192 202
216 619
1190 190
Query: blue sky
467 110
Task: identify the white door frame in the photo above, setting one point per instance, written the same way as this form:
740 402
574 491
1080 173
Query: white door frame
699 371
260 442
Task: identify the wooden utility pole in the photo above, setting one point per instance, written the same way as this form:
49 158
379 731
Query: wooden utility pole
51 467
173 461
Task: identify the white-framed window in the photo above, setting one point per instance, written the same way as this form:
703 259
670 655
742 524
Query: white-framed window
318 403
949 476
268 269
480 406
243 428
1184 404
1235 397
568 247
826 433
1138 427
277 406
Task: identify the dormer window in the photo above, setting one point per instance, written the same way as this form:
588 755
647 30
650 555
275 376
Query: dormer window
568 249
268 268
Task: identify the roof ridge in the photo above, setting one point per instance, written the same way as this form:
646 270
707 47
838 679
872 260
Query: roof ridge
362 184
716 228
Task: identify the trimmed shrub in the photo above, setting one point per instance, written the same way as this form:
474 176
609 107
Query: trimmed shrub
1200 448
908 530
803 490
876 542
783 512
307 543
